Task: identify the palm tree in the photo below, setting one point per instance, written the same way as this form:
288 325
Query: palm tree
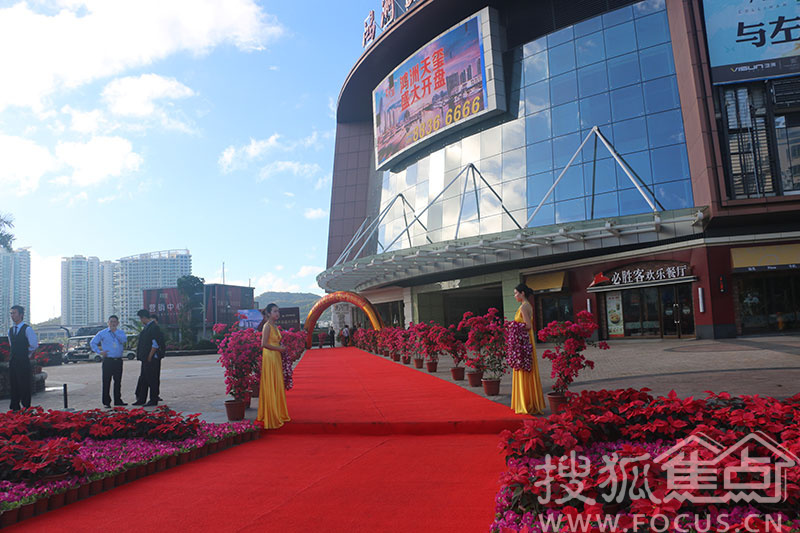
6 238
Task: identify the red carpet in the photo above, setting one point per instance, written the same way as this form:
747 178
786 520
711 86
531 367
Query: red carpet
404 480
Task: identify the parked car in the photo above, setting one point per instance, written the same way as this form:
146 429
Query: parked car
49 353
78 349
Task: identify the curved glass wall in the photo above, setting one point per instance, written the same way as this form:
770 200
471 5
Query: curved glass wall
615 71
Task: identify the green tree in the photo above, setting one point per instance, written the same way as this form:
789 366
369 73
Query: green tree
191 290
6 237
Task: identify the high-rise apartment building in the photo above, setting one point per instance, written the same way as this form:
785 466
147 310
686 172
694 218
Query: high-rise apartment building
108 298
152 270
81 291
15 284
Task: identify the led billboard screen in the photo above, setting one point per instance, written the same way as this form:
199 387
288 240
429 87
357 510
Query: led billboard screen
752 39
444 85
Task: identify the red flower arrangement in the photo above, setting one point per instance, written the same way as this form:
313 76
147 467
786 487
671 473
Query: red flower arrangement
295 344
485 343
5 349
571 340
447 342
423 337
239 353
519 350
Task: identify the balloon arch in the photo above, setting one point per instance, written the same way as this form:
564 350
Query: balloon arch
341 297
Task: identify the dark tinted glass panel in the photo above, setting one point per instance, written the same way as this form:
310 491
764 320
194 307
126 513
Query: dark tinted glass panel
590 49
620 39
545 216
631 203
647 7
656 61
605 176
639 162
675 194
605 205
652 30
661 94
602 151
627 103
588 26
562 58
592 79
559 37
540 157
665 128
630 135
535 68
534 47
618 16
563 88
565 119
595 111
670 163
624 70
538 185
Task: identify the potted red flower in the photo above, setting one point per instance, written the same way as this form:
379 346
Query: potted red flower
239 352
447 343
571 339
486 348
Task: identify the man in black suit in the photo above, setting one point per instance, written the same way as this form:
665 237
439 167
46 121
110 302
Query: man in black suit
150 354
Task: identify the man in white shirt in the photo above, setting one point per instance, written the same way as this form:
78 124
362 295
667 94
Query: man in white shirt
23 343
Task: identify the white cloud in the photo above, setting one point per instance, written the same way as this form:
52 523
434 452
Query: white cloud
271 282
137 96
45 287
87 40
23 164
273 67
307 270
314 288
84 121
289 194
295 168
331 107
96 160
278 267
324 181
313 214
233 157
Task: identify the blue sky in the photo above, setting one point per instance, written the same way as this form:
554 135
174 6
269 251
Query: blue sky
136 126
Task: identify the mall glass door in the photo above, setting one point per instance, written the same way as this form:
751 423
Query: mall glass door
677 311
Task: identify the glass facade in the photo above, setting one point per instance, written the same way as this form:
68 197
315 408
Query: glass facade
615 71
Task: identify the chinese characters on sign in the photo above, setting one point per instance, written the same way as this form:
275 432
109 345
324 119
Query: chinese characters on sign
752 39
369 29
640 275
389 13
416 83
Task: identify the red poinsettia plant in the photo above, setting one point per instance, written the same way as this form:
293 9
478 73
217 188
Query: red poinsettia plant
239 353
485 343
447 343
5 349
422 336
571 339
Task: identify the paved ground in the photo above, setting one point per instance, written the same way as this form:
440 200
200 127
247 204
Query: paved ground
768 366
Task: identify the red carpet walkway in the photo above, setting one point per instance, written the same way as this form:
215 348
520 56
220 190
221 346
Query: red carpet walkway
373 446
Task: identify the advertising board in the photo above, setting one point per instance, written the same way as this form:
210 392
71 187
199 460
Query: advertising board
450 82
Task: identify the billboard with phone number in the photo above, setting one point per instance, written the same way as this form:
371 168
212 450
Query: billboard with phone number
752 39
447 83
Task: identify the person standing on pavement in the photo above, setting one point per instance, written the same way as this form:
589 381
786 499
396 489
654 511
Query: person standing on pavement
23 343
150 358
109 344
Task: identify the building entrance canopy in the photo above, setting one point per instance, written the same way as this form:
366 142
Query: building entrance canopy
507 247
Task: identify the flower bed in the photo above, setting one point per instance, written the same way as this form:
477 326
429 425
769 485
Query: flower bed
566 470
45 454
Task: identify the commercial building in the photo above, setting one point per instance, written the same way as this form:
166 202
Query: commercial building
637 159
151 270
15 284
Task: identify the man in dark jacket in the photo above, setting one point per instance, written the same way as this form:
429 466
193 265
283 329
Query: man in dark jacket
150 354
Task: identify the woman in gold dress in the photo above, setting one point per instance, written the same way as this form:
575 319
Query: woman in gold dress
526 387
272 411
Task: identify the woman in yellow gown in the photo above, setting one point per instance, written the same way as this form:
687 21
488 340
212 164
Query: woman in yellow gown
272 411
526 387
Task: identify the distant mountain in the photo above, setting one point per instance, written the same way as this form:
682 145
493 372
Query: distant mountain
304 300
52 322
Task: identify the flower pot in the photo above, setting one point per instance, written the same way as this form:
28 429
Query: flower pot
56 501
109 482
406 359
235 409
40 506
246 400
474 378
9 517
172 460
432 365
26 511
458 373
83 490
71 496
96 487
255 390
418 363
491 387
119 479
395 357
558 402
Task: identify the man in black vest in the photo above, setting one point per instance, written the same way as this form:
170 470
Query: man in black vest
23 343
150 354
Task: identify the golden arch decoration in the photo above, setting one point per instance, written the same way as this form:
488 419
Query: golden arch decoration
341 297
